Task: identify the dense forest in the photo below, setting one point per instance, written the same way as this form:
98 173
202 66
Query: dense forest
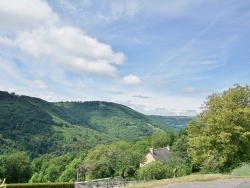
70 141
39 127
34 129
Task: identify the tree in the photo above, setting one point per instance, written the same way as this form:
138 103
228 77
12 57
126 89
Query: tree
117 159
94 162
122 159
18 168
71 170
161 139
220 138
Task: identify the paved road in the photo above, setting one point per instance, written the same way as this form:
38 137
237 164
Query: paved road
227 183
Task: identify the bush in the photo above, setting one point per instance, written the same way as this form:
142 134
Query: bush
41 185
152 171
157 170
182 165
243 170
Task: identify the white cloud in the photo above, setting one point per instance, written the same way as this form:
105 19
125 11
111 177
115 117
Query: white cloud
131 80
25 14
64 46
70 48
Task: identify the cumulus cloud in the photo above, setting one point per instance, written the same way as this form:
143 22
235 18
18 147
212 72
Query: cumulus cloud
51 41
25 14
70 48
131 80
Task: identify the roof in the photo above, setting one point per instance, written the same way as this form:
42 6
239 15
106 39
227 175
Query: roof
161 154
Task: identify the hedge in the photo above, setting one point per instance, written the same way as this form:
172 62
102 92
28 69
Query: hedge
41 185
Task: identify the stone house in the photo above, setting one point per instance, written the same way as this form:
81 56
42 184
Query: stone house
161 154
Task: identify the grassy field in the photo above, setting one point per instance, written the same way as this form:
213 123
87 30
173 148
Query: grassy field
190 178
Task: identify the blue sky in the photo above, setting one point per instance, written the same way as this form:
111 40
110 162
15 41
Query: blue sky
161 57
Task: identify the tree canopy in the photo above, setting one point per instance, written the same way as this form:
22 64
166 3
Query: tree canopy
220 138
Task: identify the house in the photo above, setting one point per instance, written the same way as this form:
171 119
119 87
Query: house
161 154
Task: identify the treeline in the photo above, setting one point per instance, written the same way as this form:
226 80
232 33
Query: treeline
40 127
217 141
120 158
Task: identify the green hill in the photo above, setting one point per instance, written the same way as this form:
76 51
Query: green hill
175 123
39 127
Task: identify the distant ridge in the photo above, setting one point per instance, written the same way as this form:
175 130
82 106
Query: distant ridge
40 127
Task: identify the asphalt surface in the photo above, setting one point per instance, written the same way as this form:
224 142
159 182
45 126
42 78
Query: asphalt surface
226 183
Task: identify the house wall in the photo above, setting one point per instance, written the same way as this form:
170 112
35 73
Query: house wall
149 159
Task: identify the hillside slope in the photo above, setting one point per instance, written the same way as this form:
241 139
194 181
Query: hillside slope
39 127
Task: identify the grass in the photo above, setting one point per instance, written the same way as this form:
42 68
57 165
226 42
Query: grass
243 170
190 178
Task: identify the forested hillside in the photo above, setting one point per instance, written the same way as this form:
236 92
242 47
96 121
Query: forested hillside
39 127
51 142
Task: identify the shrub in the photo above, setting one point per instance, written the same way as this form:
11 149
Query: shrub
41 185
243 170
183 167
152 171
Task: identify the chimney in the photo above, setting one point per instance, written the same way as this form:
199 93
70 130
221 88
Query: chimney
168 147
151 150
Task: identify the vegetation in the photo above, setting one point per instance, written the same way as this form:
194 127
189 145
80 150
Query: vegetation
39 127
69 141
177 123
219 139
42 185
242 170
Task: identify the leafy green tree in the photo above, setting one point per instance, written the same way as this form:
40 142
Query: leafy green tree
3 166
141 146
52 173
180 146
123 159
18 168
94 162
50 169
161 139
220 138
69 174
117 159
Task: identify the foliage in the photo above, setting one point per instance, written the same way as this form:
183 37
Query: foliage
161 139
56 169
41 185
157 170
219 139
69 174
175 123
39 127
94 162
16 167
117 159
242 170
47 142
152 171
183 167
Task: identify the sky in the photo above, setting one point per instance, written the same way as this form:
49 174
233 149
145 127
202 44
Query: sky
159 57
